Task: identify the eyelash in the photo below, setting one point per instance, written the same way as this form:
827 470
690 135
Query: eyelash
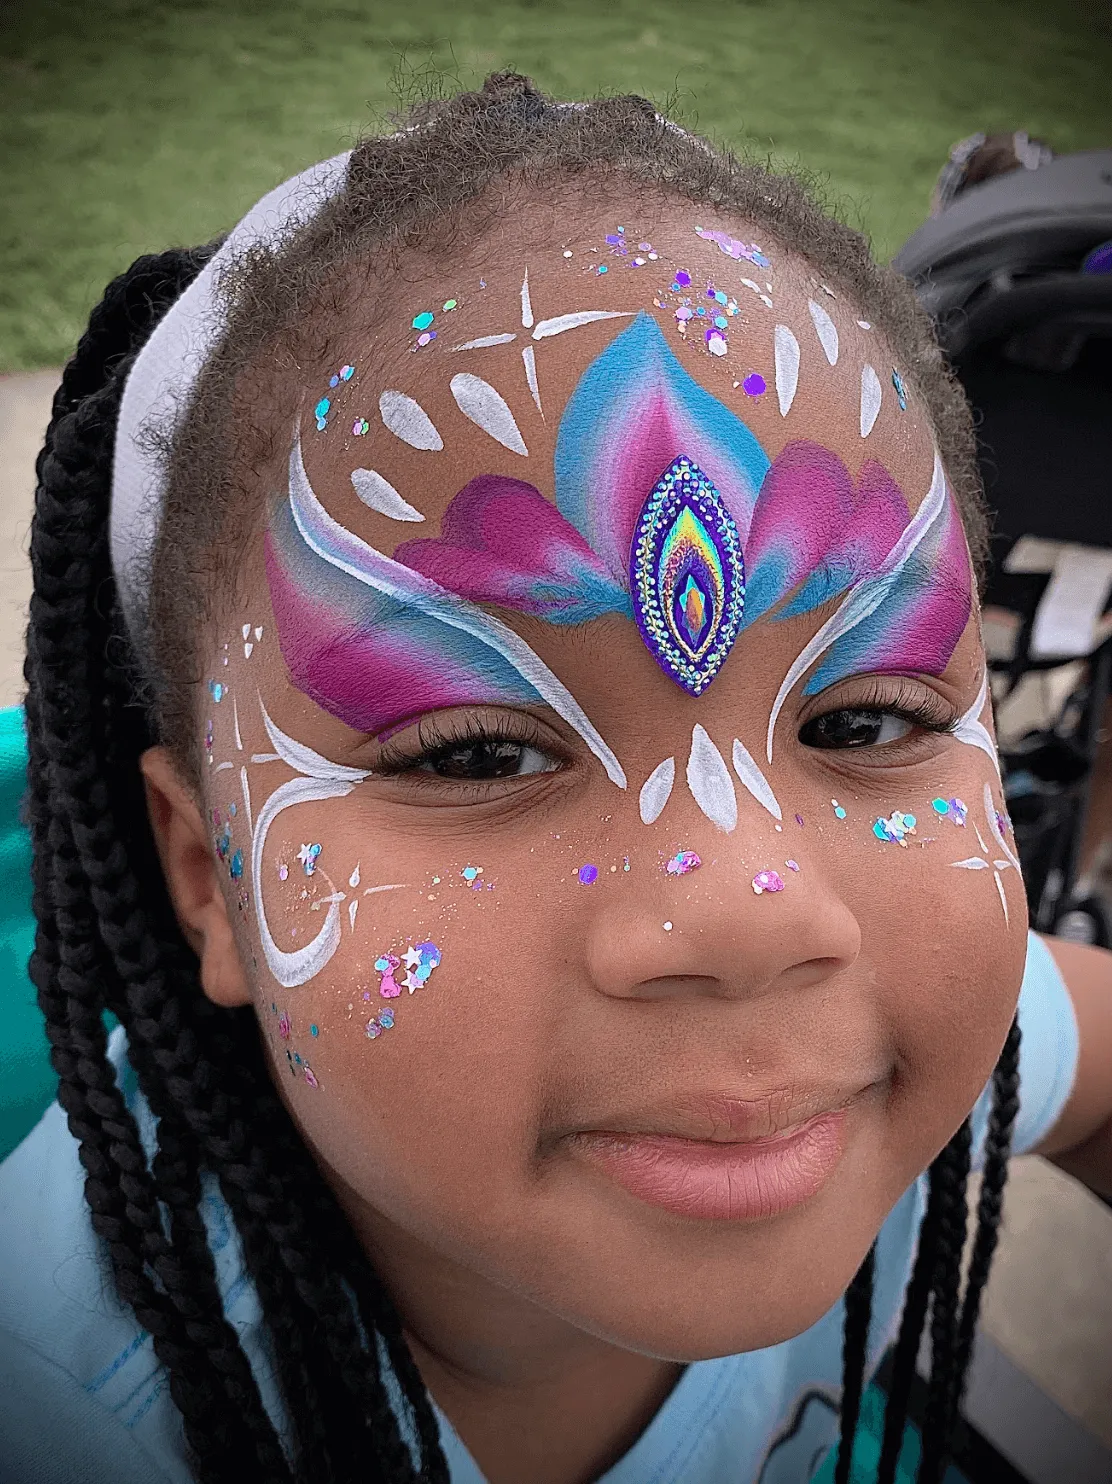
434 734
916 704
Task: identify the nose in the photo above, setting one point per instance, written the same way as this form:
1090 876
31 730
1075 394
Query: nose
711 934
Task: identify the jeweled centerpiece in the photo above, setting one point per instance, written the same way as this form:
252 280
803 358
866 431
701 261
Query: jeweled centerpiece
687 576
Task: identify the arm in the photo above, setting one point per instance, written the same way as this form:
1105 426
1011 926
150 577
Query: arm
1081 1141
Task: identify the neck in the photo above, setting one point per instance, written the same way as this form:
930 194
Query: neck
530 1394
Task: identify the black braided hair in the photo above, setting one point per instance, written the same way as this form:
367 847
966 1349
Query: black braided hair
107 938
936 1279
859 1302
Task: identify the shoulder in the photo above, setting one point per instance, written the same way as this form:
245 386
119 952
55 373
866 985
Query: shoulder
1048 1053
82 1393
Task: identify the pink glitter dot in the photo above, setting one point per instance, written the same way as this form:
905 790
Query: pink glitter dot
767 881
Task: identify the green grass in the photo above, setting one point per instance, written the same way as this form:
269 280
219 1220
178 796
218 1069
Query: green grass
126 125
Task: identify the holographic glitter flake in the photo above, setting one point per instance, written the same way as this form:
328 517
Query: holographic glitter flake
687 576
208 737
375 1026
217 691
423 320
754 385
471 875
360 427
320 412
683 862
308 855
419 962
283 870
588 875
235 866
767 881
895 828
389 988
951 809
284 1025
792 865
839 812
749 251
310 1076
901 390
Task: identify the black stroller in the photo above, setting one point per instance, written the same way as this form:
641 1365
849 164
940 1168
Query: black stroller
1017 274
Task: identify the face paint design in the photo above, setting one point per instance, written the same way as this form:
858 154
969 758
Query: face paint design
375 643
666 510
668 507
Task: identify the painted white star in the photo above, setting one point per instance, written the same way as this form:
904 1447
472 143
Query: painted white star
412 958
305 854
985 862
411 982
542 330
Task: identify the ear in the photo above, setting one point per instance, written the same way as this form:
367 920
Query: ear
189 864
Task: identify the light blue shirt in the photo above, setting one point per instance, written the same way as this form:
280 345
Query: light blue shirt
84 1398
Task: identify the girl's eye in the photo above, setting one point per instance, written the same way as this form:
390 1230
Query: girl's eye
855 727
477 759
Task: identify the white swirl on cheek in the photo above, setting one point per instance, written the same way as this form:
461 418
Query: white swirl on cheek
321 780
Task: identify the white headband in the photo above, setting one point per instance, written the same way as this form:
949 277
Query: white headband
160 384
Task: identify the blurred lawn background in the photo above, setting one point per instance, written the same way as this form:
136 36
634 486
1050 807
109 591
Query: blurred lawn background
127 126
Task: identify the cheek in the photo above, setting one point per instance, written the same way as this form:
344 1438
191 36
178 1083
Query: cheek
426 1091
948 966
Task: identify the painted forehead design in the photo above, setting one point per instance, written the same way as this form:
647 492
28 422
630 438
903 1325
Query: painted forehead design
666 510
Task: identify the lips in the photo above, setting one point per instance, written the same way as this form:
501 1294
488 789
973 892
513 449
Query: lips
739 1180
723 1158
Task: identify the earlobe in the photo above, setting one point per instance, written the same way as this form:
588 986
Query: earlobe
192 879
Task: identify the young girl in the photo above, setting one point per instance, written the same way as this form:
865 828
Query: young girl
510 744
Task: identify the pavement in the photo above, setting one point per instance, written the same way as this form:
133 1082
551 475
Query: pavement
1048 1306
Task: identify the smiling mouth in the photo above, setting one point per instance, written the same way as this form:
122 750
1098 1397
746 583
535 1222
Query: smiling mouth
722 1158
723 1180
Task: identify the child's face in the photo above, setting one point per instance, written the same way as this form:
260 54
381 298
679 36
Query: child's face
533 1021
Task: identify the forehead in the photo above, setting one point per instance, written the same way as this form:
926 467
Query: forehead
462 360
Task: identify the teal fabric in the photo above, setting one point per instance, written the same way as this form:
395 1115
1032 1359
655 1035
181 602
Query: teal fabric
27 1081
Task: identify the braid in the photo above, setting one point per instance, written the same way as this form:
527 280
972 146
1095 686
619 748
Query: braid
936 1279
859 1301
950 1173
104 942
998 1145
